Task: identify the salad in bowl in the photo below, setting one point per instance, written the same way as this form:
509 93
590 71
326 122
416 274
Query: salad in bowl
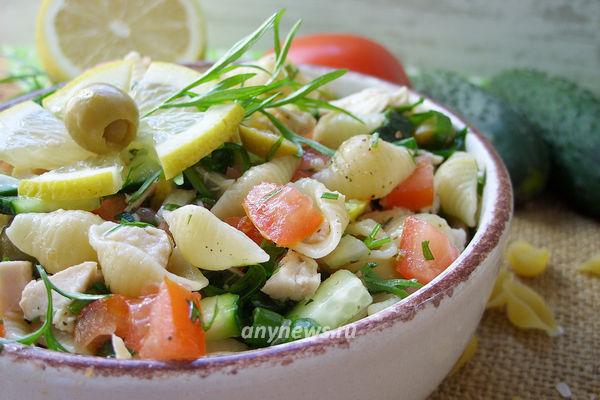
155 211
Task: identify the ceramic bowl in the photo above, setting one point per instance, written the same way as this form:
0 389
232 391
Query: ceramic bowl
402 352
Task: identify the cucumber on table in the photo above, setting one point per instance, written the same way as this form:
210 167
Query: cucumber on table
569 121
517 141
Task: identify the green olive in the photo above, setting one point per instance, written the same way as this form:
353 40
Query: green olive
102 118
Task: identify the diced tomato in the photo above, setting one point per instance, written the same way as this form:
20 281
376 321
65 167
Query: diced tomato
282 214
156 326
415 192
111 207
172 334
2 330
245 225
99 320
5 168
412 262
311 163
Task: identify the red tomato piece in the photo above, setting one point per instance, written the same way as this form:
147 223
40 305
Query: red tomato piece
413 262
311 163
99 320
155 326
2 330
282 214
415 192
357 53
172 334
245 225
111 206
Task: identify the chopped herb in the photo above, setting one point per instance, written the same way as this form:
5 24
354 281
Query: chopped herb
410 107
142 191
427 254
274 148
409 143
197 183
373 243
189 218
194 313
458 145
5 258
271 194
171 206
330 196
374 140
376 284
123 223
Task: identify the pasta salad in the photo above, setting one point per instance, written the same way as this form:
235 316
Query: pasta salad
152 211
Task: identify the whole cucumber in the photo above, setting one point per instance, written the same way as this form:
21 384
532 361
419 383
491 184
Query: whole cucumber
569 120
523 151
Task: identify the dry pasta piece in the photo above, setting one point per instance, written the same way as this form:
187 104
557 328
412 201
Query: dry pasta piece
466 356
591 266
527 260
526 309
498 297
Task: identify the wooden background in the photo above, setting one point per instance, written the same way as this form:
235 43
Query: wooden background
477 37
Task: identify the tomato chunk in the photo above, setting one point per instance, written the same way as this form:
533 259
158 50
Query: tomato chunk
282 214
415 192
99 320
415 261
2 330
311 163
172 334
156 326
245 225
111 206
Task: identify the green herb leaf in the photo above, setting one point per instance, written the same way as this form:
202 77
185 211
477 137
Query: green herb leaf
274 148
409 143
138 194
171 206
372 243
409 107
310 87
427 254
281 56
376 284
330 196
197 183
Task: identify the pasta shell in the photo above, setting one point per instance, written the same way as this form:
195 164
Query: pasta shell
455 183
134 258
497 298
336 219
362 170
58 239
526 309
278 171
527 260
334 128
591 266
179 266
209 243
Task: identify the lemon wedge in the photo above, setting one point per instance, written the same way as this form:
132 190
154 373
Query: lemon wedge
80 181
34 138
73 35
116 73
182 138
262 143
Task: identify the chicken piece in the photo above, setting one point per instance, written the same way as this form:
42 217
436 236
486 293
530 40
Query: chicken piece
14 276
297 278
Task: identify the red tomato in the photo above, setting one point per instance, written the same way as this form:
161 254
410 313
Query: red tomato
155 326
412 262
282 214
312 162
172 335
2 330
111 207
245 225
415 192
99 320
342 50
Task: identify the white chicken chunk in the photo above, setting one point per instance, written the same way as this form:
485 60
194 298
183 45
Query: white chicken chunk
75 279
14 276
297 278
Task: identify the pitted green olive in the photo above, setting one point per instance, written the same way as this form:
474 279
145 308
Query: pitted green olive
102 118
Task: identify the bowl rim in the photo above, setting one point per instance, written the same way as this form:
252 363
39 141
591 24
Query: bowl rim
473 256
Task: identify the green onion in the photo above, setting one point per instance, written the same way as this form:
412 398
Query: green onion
330 196
375 284
427 254
372 243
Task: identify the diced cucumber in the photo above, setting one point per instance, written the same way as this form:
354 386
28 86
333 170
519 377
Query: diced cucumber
270 328
349 250
220 316
383 304
8 185
19 205
339 298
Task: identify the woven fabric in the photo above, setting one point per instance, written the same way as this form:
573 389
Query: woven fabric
528 364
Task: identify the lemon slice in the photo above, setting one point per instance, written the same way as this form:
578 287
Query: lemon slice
72 35
182 138
73 183
116 73
31 137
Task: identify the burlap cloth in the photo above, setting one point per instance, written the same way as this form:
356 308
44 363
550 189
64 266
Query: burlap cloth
528 364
